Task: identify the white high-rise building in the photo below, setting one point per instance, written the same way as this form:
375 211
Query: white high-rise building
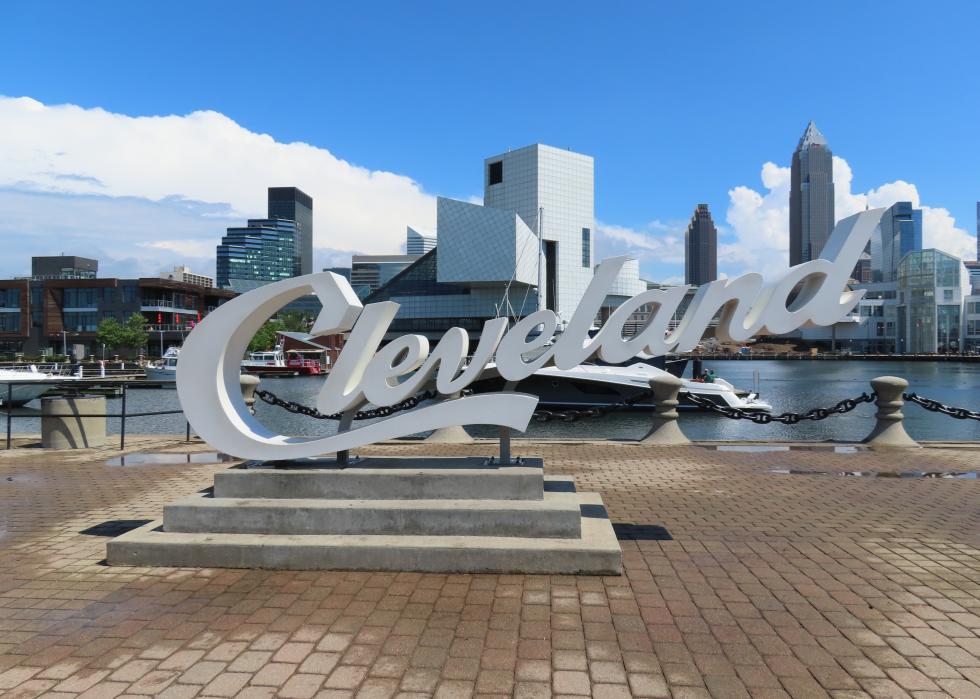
560 185
182 273
416 243
486 263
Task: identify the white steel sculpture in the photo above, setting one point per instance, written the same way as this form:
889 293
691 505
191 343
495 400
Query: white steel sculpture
208 373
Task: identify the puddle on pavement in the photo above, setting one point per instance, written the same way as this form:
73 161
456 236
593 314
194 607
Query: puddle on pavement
165 458
946 475
755 448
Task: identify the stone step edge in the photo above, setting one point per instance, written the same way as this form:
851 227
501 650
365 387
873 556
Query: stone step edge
557 515
394 463
596 553
514 483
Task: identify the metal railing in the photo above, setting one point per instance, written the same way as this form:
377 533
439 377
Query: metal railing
78 391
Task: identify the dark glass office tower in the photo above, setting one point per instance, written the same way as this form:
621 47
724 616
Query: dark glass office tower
258 253
898 234
294 204
811 197
701 248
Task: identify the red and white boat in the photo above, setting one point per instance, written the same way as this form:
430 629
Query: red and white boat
307 362
268 363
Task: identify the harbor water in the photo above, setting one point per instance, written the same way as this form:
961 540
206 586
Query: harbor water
788 385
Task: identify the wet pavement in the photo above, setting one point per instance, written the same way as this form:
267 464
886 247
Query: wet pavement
739 582
169 458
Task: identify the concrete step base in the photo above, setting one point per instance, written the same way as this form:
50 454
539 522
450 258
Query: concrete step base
597 552
557 515
419 514
384 479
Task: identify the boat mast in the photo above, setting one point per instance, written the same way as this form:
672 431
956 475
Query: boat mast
542 301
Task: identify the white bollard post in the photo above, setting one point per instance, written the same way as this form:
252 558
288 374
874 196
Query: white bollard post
889 432
453 434
665 430
249 385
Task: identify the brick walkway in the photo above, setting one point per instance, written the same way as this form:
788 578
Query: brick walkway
738 583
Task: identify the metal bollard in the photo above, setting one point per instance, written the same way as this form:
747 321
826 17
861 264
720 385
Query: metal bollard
346 420
889 432
249 385
665 430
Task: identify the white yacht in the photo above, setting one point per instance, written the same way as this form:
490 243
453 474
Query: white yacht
166 370
590 385
24 385
269 363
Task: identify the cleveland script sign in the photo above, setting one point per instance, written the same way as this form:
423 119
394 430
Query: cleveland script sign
208 373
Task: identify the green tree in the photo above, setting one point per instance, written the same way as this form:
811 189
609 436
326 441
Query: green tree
295 321
134 331
110 333
265 338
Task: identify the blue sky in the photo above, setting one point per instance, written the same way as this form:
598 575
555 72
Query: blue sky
679 103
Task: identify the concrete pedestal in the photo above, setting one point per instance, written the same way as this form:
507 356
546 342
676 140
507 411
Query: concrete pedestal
397 514
64 425
889 430
665 432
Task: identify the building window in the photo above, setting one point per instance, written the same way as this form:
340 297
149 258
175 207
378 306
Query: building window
81 321
947 294
586 247
9 298
85 297
10 322
496 173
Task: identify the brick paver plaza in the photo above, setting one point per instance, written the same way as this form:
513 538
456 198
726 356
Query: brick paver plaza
739 582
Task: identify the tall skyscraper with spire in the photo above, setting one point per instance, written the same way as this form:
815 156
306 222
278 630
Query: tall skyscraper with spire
701 248
811 197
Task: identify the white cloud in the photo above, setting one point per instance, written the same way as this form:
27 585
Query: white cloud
760 220
201 166
144 193
655 242
184 248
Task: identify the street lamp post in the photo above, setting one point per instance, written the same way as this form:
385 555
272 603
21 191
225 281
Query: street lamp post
161 341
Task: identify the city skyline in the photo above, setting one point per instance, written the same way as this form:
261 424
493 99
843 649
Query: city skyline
191 157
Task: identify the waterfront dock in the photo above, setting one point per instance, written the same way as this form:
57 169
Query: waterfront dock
748 573
831 356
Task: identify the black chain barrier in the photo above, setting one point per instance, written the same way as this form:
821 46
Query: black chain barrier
384 411
759 418
936 407
409 403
